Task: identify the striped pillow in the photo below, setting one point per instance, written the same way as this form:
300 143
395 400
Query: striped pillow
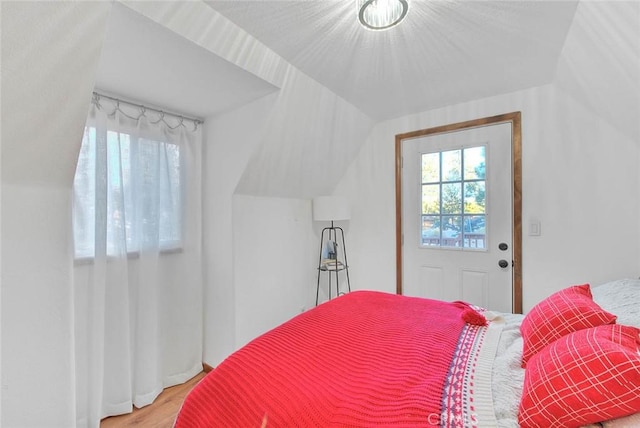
588 376
561 313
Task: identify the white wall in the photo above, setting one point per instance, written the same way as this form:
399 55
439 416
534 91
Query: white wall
37 320
49 54
311 138
246 292
289 147
0 247
580 174
273 262
580 177
229 144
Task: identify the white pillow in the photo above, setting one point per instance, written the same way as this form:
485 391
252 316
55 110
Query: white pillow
621 298
631 421
626 422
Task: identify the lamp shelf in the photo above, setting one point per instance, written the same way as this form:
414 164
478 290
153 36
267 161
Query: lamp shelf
333 266
333 259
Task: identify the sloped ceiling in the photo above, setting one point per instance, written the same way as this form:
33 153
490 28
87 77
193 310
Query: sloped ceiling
600 63
145 61
443 53
316 55
50 51
310 135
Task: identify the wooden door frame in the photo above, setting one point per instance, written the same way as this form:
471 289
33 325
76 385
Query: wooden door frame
515 118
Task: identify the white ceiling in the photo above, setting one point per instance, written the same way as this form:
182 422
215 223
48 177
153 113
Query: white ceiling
444 52
151 64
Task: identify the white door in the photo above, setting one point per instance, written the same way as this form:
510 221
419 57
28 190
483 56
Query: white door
457 216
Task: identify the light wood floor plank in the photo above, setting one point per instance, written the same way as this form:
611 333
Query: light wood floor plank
160 414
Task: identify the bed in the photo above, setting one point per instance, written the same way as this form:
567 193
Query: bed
377 359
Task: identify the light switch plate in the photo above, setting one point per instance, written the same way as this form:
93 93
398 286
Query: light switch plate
534 228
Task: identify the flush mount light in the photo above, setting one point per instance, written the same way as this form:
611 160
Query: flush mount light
381 14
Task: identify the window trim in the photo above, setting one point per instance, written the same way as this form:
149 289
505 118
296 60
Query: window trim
133 255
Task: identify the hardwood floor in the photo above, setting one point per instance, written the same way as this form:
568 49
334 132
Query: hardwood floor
160 414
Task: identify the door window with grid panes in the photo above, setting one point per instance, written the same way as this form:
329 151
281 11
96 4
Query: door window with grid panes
454 199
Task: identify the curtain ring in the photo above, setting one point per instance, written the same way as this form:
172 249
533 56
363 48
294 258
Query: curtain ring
96 100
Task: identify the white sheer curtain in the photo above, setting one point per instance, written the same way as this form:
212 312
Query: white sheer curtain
137 275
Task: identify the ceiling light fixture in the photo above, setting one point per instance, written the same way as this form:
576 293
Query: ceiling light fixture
381 14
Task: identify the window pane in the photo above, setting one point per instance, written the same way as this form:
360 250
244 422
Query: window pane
127 167
431 199
452 198
451 225
115 198
431 167
474 163
474 231
451 231
84 196
451 162
170 207
474 224
474 197
431 230
143 194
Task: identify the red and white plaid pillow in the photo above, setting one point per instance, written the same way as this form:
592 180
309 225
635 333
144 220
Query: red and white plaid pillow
588 376
561 313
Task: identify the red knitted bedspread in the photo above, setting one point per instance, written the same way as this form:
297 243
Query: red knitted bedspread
363 359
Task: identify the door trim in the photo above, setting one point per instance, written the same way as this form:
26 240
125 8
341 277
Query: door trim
515 118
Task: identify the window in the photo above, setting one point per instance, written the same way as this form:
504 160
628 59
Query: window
143 194
454 198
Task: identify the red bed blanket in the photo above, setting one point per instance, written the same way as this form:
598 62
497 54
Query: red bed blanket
363 359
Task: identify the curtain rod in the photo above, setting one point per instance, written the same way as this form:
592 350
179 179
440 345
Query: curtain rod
144 108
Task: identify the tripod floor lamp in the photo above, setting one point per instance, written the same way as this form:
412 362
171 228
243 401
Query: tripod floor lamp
332 260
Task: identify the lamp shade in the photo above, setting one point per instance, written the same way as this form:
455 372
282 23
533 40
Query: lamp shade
331 208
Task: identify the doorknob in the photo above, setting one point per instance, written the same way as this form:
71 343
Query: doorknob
503 246
503 263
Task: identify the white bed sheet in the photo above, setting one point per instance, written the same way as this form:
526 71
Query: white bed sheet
508 375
